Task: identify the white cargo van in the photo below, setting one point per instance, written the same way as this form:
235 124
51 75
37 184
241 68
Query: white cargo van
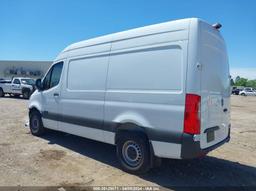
157 91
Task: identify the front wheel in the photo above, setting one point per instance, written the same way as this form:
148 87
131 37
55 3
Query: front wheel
36 124
26 94
133 153
1 92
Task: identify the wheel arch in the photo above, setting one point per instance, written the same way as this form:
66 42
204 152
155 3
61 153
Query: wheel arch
33 108
131 121
129 127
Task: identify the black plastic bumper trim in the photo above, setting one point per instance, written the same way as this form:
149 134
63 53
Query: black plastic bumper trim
191 149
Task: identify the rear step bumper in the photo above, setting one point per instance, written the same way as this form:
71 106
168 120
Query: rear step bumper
191 149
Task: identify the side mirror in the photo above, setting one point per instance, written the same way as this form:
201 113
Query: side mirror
39 85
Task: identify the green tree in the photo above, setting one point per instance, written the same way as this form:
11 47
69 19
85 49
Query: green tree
241 81
251 83
237 79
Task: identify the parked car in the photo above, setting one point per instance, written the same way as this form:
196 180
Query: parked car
154 92
235 91
248 92
17 86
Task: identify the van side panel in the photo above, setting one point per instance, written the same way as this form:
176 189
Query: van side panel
83 92
145 86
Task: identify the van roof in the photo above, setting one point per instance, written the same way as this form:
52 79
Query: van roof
181 24
177 25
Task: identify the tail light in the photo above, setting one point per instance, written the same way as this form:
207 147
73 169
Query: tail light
192 114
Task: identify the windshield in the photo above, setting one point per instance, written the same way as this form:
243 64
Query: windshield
28 81
247 89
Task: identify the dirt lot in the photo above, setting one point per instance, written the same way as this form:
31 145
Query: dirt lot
58 159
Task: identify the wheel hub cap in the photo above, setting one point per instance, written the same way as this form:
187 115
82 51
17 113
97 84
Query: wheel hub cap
132 153
35 123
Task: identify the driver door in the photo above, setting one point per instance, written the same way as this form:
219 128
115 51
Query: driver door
51 96
16 86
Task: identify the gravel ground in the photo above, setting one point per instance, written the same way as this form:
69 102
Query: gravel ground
59 159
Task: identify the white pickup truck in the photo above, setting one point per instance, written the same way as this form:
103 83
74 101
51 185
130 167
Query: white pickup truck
17 86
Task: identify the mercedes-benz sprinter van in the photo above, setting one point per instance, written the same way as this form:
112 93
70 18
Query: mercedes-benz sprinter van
160 91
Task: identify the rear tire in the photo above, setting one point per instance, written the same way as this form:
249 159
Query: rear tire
36 124
133 153
243 94
1 92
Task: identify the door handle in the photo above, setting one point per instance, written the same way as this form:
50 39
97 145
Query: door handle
56 94
225 110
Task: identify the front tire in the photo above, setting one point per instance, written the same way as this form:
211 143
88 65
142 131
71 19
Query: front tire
26 94
133 153
1 92
36 124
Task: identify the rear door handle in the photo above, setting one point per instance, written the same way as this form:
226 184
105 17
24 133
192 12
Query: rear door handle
56 94
225 110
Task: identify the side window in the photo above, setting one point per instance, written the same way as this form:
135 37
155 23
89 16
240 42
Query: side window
56 73
16 81
53 76
46 81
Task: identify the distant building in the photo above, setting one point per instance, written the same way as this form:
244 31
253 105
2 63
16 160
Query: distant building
32 69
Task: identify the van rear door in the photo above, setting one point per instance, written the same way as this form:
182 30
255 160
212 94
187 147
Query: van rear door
215 87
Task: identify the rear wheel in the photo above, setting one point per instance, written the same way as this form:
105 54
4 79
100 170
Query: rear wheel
1 92
36 124
243 94
133 153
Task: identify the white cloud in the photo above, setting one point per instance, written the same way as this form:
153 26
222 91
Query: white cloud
249 73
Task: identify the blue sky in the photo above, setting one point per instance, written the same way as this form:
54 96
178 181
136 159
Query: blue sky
40 29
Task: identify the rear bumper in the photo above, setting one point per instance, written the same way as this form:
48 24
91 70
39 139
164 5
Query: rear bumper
191 149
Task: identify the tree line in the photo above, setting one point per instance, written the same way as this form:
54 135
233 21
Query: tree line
243 82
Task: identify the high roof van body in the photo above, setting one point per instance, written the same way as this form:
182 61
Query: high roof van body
157 91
